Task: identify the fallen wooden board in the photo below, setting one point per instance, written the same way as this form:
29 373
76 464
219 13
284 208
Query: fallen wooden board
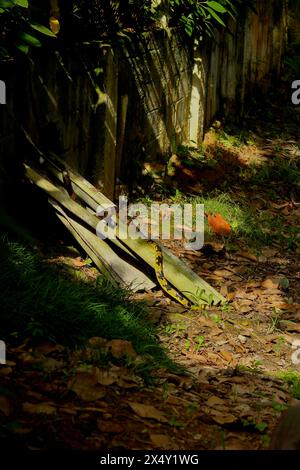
198 291
175 271
128 270
106 260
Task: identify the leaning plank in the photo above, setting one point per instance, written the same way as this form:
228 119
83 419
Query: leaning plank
106 260
64 199
91 220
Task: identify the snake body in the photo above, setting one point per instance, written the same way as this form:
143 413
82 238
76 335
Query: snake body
165 285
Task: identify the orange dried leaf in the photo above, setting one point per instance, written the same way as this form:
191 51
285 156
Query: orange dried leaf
218 224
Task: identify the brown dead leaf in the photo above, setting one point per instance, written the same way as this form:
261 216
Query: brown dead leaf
206 322
78 262
107 376
226 355
5 405
30 359
5 371
224 290
290 326
109 426
49 364
243 308
269 252
216 331
225 273
246 255
221 417
148 411
122 376
224 418
245 296
162 441
270 284
211 357
47 408
120 348
86 386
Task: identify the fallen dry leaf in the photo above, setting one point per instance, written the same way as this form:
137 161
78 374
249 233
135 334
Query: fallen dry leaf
226 355
46 408
110 426
78 262
49 364
148 411
290 326
162 441
218 224
107 376
223 418
5 371
5 405
120 348
246 255
86 386
214 400
270 284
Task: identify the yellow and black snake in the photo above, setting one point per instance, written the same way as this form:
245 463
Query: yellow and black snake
165 285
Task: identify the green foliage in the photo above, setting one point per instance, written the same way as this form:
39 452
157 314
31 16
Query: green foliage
198 17
18 31
38 301
195 17
292 378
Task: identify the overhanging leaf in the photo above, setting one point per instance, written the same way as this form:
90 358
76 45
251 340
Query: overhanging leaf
22 3
215 16
23 47
216 6
29 39
7 3
42 29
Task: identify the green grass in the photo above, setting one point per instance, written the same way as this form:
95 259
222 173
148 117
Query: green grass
292 378
257 228
231 139
283 171
38 301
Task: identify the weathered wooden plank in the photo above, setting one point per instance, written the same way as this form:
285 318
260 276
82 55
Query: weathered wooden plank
106 260
91 220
